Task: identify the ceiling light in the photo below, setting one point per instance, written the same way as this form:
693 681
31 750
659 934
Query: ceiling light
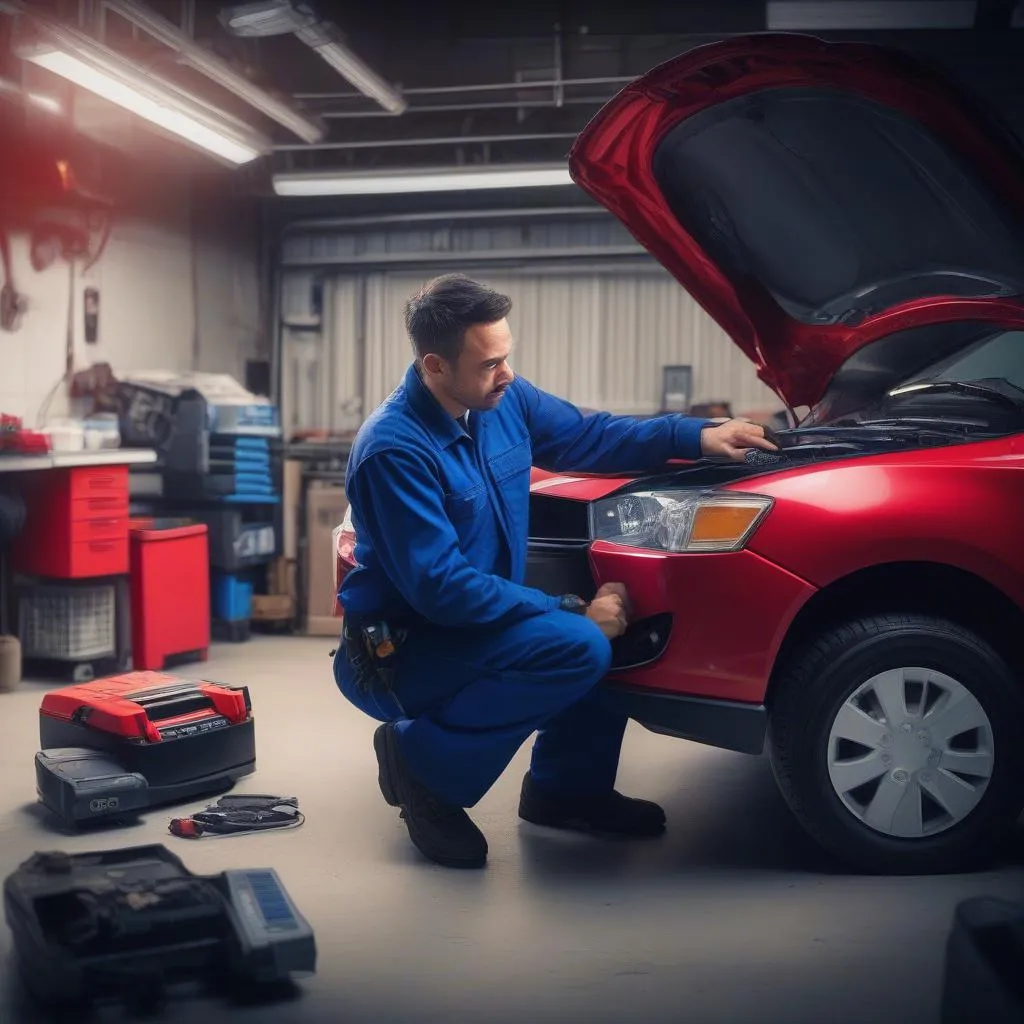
319 183
153 24
90 66
862 15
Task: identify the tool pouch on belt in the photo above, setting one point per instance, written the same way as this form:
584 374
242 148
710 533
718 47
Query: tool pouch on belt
369 648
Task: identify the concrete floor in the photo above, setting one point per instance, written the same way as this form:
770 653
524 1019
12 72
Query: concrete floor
732 916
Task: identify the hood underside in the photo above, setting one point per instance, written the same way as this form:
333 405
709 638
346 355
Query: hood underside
812 196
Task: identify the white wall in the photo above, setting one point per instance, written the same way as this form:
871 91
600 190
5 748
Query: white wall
598 339
149 315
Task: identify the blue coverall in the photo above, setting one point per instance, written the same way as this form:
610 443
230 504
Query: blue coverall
441 518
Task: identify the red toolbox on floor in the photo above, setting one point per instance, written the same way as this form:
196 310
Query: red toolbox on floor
76 524
170 588
118 746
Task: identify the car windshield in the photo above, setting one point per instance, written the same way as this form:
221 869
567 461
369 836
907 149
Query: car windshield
997 358
978 384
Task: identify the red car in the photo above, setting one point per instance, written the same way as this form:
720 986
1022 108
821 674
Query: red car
855 603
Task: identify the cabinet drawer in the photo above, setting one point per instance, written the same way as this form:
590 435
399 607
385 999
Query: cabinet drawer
99 506
97 558
97 528
92 481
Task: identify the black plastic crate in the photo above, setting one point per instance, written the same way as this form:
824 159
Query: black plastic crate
235 541
237 632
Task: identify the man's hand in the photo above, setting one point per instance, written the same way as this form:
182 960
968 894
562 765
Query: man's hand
733 439
610 609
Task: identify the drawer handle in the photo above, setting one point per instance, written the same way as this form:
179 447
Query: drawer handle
102 524
106 482
101 545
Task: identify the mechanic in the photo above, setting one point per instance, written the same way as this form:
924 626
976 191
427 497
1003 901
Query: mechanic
442 642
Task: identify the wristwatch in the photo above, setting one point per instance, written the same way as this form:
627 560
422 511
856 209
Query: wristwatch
572 603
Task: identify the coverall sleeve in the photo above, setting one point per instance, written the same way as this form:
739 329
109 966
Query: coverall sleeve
566 440
402 512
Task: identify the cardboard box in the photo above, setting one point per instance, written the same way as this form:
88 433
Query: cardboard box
325 508
272 607
291 499
282 576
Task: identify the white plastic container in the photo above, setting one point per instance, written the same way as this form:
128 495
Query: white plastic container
65 436
102 432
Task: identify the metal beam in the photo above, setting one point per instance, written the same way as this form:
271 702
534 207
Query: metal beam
440 90
399 259
452 140
379 220
215 69
442 108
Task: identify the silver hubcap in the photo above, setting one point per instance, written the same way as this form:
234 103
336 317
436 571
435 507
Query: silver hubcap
910 753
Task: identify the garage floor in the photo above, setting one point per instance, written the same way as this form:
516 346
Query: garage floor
733 916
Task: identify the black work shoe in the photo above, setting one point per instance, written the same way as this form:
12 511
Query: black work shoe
442 832
608 814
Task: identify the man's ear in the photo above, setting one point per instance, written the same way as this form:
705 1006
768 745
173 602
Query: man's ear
433 365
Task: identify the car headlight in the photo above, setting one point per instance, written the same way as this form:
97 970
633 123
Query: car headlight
679 521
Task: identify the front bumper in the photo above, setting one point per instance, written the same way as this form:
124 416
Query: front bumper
729 725
716 621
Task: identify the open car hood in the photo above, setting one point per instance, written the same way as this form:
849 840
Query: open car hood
812 197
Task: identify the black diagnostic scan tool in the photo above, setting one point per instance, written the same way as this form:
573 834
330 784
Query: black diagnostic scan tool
129 923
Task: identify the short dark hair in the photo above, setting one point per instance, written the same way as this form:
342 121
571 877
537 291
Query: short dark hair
439 314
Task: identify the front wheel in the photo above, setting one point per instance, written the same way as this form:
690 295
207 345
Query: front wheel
898 743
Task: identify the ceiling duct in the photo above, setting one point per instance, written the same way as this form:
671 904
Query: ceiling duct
283 17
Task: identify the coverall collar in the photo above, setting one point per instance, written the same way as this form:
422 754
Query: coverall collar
444 426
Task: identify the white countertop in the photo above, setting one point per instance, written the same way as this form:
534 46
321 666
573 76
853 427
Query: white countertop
72 460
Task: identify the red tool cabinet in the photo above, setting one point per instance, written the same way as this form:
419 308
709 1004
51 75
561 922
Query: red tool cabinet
76 524
170 588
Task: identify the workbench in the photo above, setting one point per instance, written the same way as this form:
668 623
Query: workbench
13 466
73 460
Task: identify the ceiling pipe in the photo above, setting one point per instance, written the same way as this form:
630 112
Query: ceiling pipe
215 69
332 223
440 90
441 108
453 140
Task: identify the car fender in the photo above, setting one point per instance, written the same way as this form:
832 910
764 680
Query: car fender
830 522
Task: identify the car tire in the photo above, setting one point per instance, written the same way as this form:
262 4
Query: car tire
827 678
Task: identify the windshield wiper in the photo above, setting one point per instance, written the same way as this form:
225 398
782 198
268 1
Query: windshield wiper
994 390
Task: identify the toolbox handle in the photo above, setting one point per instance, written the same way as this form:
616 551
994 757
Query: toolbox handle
174 707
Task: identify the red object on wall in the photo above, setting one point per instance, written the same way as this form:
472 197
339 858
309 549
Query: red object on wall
170 587
76 524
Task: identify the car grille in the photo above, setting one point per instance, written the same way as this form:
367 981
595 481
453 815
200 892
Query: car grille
558 519
558 561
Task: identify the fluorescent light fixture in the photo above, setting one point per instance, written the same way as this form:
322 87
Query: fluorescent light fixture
861 15
319 183
90 66
166 32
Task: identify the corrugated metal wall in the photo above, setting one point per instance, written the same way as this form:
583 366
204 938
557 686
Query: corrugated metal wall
592 325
